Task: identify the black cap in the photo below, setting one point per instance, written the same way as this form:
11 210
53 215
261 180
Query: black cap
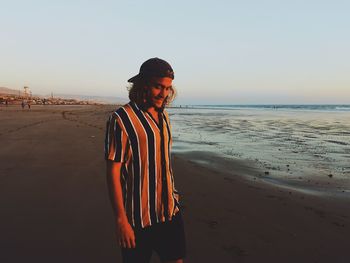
154 67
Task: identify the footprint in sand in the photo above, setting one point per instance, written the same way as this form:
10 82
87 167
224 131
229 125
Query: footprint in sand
235 251
212 224
320 213
338 224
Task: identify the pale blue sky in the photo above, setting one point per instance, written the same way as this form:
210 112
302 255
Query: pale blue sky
222 51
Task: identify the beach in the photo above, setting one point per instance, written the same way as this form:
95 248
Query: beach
237 206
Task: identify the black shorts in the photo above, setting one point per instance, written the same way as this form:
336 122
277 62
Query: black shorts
166 239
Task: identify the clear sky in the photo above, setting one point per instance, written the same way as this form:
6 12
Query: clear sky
223 52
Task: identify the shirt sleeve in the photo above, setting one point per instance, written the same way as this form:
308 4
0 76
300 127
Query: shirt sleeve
167 119
115 141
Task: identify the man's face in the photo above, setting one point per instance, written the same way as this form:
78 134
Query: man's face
158 91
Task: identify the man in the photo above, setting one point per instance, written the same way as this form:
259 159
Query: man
139 173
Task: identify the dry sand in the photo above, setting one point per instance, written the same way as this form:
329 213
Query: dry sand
55 207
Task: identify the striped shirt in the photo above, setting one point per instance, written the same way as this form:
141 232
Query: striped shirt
143 146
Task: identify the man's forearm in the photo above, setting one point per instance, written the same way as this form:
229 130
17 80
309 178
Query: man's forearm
124 230
115 189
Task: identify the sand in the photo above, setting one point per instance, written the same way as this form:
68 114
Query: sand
55 207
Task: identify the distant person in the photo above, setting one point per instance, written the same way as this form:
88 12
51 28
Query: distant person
28 105
23 104
6 102
139 174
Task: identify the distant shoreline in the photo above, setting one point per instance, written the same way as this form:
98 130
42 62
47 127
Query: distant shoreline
307 107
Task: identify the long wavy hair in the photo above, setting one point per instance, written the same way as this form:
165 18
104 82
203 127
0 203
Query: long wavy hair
139 89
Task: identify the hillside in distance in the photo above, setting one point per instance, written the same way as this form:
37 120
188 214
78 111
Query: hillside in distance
8 91
98 99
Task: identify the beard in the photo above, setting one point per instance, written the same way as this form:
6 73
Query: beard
150 103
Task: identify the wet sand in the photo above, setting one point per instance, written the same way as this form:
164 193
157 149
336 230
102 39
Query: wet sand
304 149
55 207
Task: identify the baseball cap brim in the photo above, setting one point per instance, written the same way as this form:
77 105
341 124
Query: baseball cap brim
153 67
134 78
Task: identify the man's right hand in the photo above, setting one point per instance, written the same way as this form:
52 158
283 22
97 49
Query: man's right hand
125 234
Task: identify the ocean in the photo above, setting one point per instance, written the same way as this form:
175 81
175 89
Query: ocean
290 143
299 107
